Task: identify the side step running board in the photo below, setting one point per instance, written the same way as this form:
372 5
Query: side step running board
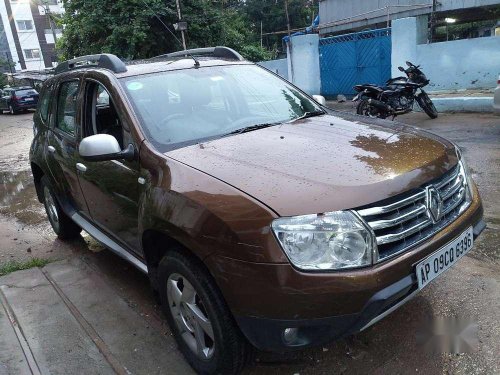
108 242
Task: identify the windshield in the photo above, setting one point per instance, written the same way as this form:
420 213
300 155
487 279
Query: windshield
183 107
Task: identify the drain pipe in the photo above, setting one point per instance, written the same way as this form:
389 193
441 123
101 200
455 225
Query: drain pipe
289 52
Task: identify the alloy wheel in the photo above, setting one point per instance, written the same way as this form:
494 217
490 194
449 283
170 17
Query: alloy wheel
190 316
51 208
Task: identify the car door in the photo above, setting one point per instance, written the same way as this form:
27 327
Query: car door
61 148
111 188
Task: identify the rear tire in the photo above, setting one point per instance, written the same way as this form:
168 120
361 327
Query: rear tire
427 105
199 318
63 226
365 109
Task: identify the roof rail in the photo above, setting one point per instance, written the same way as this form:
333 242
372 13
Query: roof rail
102 60
219 51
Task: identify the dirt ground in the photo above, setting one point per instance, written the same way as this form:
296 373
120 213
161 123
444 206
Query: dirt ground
470 290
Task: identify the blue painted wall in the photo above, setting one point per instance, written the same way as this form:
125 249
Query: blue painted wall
353 59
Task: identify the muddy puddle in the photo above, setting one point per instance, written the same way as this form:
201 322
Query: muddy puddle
18 198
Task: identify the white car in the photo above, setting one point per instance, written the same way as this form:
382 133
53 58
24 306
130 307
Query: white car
496 97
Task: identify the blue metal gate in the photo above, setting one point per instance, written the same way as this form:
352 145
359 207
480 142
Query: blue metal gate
351 59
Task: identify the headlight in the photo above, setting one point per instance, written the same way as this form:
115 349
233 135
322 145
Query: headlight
330 241
465 172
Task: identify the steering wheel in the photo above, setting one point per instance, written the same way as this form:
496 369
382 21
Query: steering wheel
164 121
171 117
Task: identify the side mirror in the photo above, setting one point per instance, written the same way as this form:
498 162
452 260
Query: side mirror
401 69
409 64
102 147
320 99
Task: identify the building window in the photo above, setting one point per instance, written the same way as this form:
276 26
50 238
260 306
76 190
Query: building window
32 53
24 25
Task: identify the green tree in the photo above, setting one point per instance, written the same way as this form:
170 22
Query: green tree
273 17
5 64
3 80
134 29
226 24
127 28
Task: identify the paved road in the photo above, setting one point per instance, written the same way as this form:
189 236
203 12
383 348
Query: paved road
471 289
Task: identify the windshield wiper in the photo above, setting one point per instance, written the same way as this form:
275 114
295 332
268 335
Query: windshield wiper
308 114
252 128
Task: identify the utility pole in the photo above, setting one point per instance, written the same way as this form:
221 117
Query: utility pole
287 18
182 31
260 34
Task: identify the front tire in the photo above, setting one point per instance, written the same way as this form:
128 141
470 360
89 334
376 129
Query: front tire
199 318
427 105
63 226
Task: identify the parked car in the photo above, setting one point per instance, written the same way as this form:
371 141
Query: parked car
262 218
496 97
16 99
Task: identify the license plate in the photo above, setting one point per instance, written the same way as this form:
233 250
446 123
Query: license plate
444 258
28 99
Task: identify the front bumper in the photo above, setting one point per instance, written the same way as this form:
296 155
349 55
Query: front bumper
22 106
268 298
268 334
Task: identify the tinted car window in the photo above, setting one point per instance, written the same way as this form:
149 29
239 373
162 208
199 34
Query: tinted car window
66 107
185 106
26 92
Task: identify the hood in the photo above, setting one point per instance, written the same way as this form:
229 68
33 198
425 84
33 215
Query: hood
324 163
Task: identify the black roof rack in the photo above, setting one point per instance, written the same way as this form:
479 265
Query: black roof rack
103 60
219 51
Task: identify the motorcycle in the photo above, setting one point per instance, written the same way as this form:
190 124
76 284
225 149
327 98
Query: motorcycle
398 97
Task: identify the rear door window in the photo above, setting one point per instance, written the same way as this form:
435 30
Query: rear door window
66 107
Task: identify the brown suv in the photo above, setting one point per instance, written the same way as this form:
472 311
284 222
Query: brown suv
260 216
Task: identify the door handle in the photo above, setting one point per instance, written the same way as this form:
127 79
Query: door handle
51 149
81 167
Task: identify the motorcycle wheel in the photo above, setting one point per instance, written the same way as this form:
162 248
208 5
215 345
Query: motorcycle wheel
365 109
427 105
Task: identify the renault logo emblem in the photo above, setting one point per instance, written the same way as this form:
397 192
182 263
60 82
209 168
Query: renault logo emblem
434 204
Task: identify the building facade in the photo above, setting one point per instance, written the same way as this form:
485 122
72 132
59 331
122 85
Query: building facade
27 31
345 16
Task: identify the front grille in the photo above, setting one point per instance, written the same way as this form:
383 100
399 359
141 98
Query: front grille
404 221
